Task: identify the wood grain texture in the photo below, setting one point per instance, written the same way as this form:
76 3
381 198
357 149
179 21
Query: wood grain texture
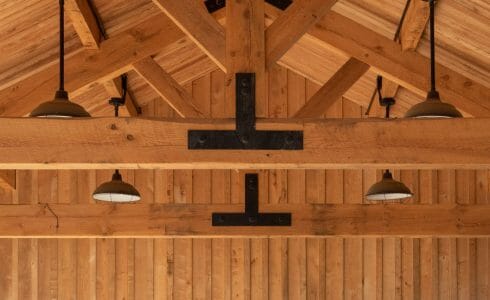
106 143
333 89
8 179
408 69
78 220
192 18
286 30
414 24
169 89
84 22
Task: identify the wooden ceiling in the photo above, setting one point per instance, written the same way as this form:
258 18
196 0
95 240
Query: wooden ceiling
28 42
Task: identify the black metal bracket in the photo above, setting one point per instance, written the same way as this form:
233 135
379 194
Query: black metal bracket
214 5
251 217
245 136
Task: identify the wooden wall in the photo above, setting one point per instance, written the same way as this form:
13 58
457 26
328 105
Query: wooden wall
276 268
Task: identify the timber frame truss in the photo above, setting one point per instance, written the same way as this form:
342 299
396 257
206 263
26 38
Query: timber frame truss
157 47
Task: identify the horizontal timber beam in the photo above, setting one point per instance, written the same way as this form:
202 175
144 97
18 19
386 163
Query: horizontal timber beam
107 143
194 220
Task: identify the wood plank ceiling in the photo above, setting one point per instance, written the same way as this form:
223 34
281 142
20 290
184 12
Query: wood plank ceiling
29 42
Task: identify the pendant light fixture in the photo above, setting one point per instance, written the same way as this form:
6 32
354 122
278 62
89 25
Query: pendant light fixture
433 107
387 188
117 190
60 106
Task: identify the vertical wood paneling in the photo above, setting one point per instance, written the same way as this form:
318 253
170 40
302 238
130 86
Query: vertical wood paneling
353 247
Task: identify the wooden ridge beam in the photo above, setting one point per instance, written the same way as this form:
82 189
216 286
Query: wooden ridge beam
333 89
291 25
108 143
169 89
195 21
194 220
414 24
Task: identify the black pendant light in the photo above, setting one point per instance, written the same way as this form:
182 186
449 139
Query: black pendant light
60 106
387 188
117 190
433 107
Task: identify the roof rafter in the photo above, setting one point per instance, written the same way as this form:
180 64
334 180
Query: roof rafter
114 58
88 29
414 24
147 38
169 89
291 25
333 89
194 20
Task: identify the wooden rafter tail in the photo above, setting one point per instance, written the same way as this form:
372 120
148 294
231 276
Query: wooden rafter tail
198 25
169 89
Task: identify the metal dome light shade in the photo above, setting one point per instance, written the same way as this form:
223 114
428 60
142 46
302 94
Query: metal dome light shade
388 189
433 107
117 191
60 106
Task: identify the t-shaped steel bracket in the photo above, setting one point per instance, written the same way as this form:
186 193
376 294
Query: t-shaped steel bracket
245 136
251 217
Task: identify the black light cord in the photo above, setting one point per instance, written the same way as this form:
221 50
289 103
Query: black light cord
432 48
62 45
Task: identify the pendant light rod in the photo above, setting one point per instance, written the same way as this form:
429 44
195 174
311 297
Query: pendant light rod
432 48
62 45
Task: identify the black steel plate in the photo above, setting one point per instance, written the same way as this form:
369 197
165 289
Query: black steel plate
258 140
241 219
214 5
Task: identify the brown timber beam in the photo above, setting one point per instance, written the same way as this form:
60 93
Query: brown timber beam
107 143
195 21
291 25
333 89
414 24
194 220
